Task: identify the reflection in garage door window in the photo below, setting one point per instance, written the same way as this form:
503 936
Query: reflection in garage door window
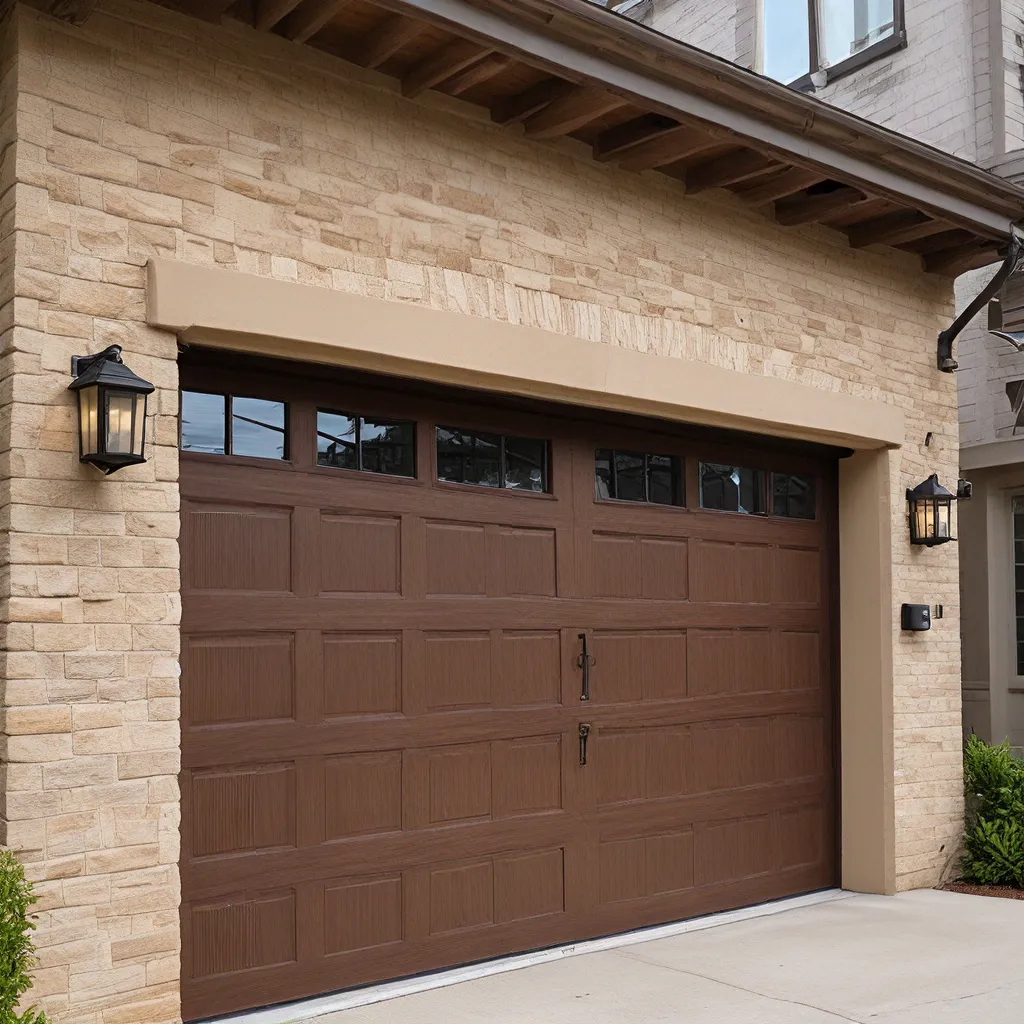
491 460
638 476
793 495
732 488
348 441
203 421
257 428
218 424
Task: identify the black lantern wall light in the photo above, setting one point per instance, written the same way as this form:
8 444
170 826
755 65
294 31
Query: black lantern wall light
111 410
930 507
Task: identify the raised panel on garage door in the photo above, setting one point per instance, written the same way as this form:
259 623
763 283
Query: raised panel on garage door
381 696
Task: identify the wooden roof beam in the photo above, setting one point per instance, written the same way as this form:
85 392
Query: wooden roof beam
728 169
518 107
384 40
476 73
808 209
893 228
959 258
270 12
933 243
440 65
572 111
311 17
785 183
674 145
613 141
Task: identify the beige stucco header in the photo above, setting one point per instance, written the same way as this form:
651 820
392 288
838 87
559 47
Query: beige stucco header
232 310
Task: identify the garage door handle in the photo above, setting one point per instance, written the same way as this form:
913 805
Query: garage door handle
584 733
583 662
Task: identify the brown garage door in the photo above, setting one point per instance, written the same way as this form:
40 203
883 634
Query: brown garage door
386 601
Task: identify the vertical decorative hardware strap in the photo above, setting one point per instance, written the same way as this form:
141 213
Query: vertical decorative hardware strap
584 733
583 662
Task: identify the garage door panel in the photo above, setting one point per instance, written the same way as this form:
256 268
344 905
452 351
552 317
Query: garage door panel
243 809
238 678
362 794
457 671
796 576
359 554
631 566
236 548
642 866
728 661
734 850
243 932
637 666
634 765
728 755
456 559
798 661
362 673
733 573
802 834
530 665
798 743
363 913
529 562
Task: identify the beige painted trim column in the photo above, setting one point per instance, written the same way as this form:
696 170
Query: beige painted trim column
866 674
237 311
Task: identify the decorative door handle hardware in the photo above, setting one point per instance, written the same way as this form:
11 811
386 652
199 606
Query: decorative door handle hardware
583 662
584 733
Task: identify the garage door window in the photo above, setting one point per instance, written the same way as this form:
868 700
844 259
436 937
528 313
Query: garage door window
217 424
793 496
732 488
638 476
491 460
372 445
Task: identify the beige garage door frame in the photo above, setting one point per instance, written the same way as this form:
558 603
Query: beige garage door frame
256 315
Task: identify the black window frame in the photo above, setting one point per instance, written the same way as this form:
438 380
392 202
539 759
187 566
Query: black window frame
503 440
678 469
359 417
229 422
895 41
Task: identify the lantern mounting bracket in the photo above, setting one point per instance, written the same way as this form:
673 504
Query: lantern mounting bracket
1012 262
79 364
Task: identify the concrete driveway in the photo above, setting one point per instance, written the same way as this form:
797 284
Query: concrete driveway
923 957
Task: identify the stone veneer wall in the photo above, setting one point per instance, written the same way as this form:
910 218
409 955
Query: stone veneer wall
147 133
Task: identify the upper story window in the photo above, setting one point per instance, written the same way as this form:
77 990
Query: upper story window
805 36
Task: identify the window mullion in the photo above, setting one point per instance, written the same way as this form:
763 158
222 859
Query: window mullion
813 34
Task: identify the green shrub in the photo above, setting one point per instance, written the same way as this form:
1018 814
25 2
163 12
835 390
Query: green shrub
16 950
994 833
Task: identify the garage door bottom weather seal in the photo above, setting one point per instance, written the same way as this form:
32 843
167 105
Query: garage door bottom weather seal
319 1006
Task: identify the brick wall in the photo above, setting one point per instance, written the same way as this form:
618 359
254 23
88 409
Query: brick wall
146 133
724 29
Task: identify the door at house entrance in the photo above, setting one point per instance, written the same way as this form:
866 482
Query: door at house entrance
463 677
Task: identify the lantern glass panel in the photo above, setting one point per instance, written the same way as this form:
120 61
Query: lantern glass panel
120 413
942 510
139 426
88 412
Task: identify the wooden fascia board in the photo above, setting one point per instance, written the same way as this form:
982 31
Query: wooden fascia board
530 43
